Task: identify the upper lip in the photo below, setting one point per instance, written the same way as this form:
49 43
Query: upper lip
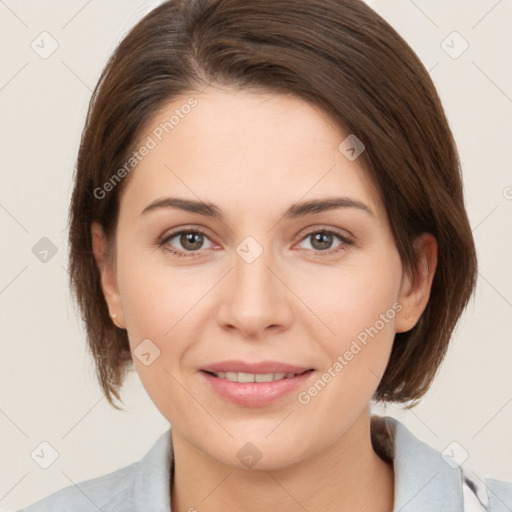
259 367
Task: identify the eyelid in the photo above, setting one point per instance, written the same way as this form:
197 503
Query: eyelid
183 229
315 228
345 238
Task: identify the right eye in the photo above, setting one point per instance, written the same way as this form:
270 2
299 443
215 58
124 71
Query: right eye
190 241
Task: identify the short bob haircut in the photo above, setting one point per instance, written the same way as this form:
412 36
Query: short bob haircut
338 55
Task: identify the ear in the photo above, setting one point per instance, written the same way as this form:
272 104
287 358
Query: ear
108 275
415 290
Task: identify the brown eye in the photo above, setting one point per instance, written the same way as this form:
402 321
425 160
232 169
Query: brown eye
185 243
322 240
191 241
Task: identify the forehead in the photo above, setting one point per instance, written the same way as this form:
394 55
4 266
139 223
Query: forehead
243 147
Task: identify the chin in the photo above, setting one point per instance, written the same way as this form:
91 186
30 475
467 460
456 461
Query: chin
261 451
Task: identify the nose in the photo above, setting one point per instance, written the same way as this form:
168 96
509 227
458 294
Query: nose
255 298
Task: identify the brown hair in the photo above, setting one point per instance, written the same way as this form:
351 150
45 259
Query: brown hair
337 54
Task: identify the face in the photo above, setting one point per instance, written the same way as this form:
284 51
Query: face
299 303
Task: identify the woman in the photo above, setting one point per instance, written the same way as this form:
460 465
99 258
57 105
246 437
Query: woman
268 222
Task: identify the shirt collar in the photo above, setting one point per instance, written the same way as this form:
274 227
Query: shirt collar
424 482
151 490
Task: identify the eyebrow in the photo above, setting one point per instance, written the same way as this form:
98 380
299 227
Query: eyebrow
296 210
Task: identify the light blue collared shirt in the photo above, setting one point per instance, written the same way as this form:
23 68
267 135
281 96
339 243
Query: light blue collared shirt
424 480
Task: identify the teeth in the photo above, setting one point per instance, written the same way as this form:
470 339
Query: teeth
264 377
245 377
253 377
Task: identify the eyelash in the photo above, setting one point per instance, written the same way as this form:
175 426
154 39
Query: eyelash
193 254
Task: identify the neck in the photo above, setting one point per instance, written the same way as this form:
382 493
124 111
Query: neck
348 475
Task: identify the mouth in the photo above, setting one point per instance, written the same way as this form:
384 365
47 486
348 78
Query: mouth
256 384
244 377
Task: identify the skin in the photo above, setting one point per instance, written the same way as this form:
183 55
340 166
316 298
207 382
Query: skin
253 155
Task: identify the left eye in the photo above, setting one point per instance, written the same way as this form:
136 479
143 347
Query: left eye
323 240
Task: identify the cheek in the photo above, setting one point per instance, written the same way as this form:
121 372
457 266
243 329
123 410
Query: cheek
361 311
351 299
157 299
358 306
158 305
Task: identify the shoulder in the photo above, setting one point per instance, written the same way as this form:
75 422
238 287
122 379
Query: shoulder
145 483
428 480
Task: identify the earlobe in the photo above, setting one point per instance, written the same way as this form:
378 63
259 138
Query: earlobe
415 290
108 275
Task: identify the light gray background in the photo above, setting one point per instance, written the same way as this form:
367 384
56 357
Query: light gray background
48 388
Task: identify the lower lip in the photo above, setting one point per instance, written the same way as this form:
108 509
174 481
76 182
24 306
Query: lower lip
255 394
